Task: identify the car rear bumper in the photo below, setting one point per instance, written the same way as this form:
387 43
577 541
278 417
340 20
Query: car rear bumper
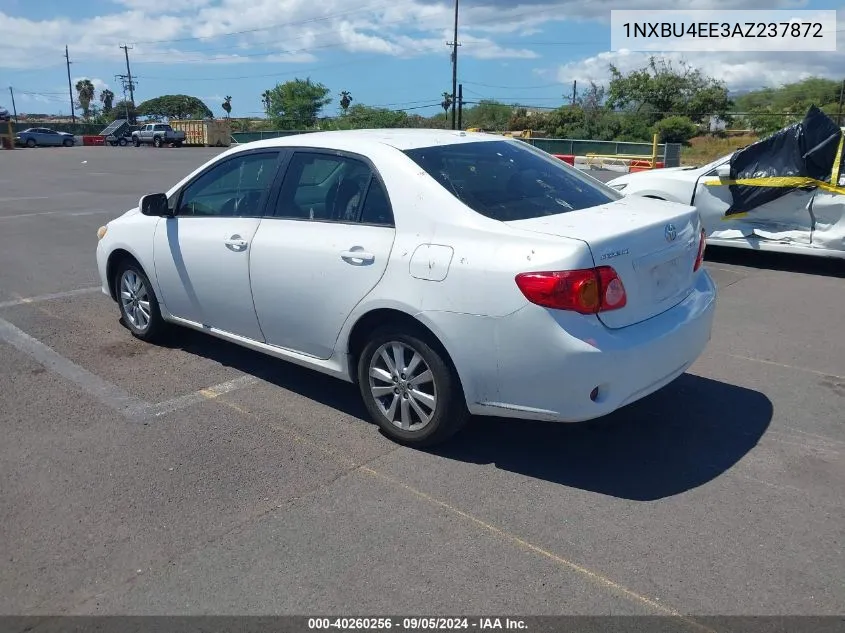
544 364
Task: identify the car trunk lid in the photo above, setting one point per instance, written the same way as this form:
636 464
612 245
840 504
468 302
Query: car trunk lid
652 245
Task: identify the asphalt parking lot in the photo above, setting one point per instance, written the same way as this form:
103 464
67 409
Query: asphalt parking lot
195 477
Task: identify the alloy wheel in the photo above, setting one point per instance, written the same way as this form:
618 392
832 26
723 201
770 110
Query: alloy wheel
402 385
135 300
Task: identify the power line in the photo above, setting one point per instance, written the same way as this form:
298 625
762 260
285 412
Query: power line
281 74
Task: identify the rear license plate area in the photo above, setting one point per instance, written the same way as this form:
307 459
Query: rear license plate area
667 277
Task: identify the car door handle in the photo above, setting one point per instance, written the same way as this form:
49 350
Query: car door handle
236 243
353 257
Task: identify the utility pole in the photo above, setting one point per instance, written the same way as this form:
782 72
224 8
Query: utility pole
14 107
460 106
841 95
129 75
127 85
69 86
454 44
574 93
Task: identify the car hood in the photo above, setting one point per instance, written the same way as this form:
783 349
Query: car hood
681 173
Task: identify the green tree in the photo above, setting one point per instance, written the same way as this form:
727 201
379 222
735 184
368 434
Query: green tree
361 116
488 114
227 106
107 98
85 95
174 107
120 109
660 89
295 105
676 129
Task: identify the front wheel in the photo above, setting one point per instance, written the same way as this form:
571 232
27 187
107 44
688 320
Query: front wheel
410 389
30 143
138 303
68 142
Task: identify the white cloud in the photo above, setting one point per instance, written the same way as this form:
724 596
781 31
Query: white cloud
225 32
99 84
739 71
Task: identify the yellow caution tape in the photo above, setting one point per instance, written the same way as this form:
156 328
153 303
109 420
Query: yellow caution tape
790 182
834 174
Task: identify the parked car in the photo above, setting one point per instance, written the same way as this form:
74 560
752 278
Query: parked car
44 137
158 134
446 273
808 220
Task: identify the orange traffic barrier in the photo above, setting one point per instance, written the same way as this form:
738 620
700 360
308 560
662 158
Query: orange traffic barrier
646 164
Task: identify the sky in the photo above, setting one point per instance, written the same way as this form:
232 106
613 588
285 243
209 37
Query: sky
389 53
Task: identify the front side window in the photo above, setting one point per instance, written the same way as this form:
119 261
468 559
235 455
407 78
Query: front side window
236 187
324 187
509 180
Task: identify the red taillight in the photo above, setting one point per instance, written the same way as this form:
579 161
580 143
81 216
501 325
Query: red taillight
586 291
699 259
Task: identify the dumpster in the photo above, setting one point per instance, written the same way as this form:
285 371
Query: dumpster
205 133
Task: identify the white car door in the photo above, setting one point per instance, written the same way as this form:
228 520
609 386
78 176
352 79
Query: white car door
324 250
202 253
786 219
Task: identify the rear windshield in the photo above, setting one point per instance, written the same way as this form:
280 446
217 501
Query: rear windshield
510 180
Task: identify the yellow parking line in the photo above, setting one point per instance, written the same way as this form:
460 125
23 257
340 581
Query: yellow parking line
596 577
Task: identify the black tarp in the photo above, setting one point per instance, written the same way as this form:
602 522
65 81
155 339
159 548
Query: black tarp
806 149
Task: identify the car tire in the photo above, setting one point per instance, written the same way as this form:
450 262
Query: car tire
122 142
177 144
136 142
137 302
394 400
68 142
157 141
30 143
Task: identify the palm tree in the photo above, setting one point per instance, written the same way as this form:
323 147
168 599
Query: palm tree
85 91
345 100
107 97
446 103
227 106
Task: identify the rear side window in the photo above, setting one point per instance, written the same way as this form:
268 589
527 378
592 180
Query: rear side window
509 180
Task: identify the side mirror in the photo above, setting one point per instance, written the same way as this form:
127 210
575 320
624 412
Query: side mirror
724 171
154 204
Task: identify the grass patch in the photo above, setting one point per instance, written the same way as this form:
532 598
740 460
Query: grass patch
704 149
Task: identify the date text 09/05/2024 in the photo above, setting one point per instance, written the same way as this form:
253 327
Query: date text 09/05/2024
416 624
717 30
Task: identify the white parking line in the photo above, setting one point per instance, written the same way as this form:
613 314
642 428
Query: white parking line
48 297
105 392
18 216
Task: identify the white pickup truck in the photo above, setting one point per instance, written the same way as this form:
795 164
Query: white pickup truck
159 134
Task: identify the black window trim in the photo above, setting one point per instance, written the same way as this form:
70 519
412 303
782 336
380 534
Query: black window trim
303 149
281 159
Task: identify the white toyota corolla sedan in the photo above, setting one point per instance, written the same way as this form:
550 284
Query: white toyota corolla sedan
446 273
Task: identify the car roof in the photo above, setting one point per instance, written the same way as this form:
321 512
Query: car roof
400 138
